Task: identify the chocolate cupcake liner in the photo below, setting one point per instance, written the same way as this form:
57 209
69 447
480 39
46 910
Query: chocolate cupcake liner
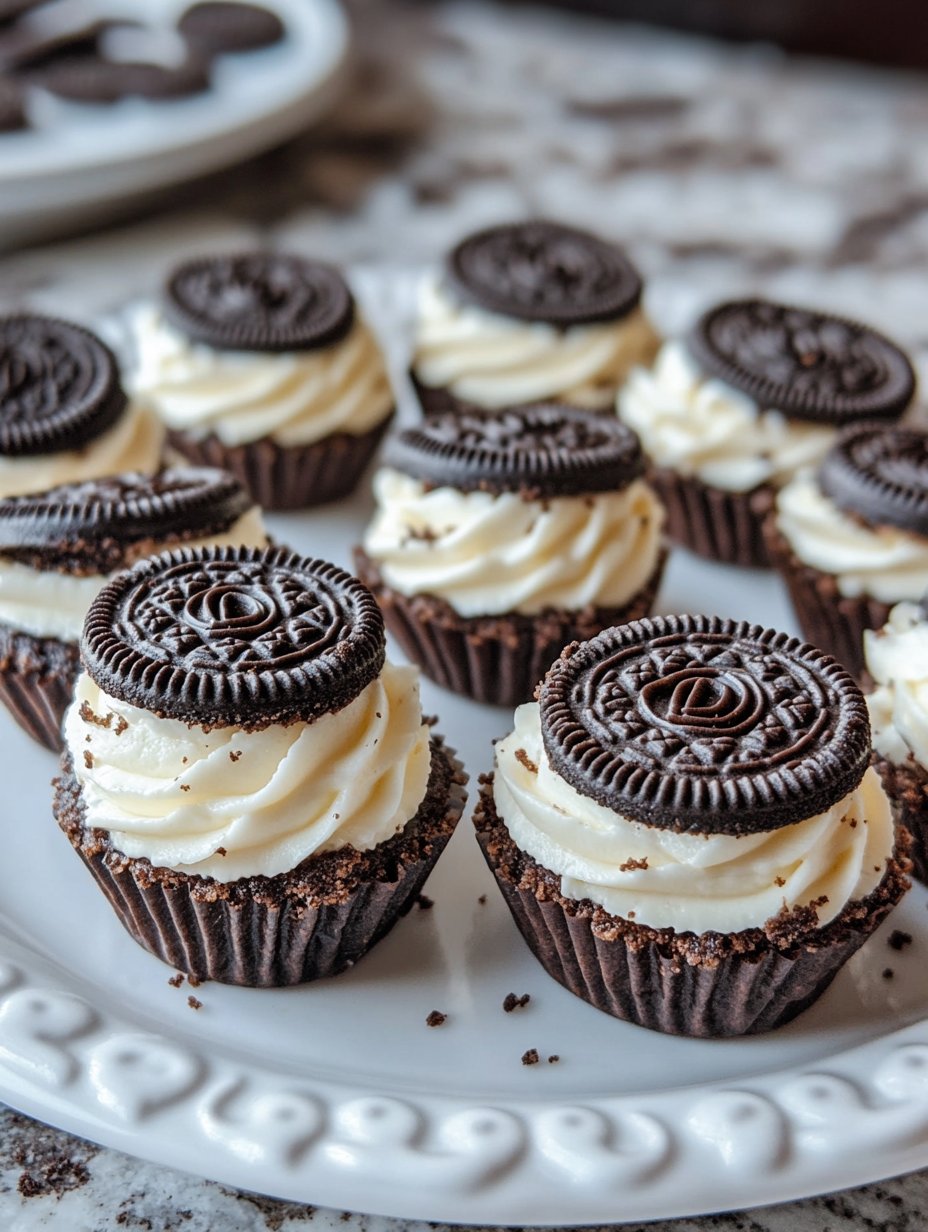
832 621
719 525
281 477
267 932
493 659
37 677
907 788
709 986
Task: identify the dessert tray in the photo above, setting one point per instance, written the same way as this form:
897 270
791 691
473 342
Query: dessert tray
77 159
339 1094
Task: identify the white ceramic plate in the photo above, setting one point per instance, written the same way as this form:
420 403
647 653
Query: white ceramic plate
80 159
339 1094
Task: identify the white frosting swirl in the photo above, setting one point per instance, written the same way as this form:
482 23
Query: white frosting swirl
495 361
881 561
486 554
897 660
47 603
294 397
699 426
691 882
133 443
176 794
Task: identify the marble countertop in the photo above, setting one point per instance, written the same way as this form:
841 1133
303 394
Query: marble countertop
723 169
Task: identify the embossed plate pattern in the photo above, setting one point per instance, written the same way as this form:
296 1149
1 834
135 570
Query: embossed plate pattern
340 1095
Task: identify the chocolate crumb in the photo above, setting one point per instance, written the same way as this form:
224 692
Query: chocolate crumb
524 760
88 759
888 973
632 914
176 980
853 823
482 899
512 1002
121 725
424 903
553 1059
221 851
898 940
185 786
234 754
89 715
184 760
435 1018
194 1003
194 981
631 864
530 1057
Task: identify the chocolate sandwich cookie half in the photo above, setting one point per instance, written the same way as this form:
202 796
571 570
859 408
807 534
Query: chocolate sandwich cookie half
250 783
500 537
686 827
217 27
58 550
529 311
64 416
262 363
851 539
754 394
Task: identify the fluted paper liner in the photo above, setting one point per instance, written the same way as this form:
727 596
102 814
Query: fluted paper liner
266 932
709 986
281 477
713 523
493 659
36 681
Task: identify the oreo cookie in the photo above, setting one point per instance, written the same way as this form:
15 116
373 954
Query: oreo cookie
218 27
703 725
880 474
12 109
89 527
544 271
545 450
59 386
241 637
808 365
259 302
92 79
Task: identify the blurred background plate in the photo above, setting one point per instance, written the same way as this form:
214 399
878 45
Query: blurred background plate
81 162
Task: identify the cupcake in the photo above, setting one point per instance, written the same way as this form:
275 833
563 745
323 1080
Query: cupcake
261 364
499 538
528 312
251 785
753 395
58 550
897 662
64 417
851 540
686 827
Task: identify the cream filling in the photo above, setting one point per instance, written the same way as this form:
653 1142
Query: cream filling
496 361
295 398
691 883
46 603
897 660
488 554
180 796
882 561
133 443
699 426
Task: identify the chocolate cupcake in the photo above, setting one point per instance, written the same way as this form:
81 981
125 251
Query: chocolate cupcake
64 416
686 827
251 785
527 312
896 659
58 550
753 395
851 540
261 364
499 538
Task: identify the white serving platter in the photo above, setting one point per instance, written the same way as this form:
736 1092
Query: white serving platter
338 1094
81 160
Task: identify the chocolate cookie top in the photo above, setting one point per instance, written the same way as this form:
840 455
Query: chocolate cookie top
217 26
12 109
93 79
59 386
234 637
543 271
542 450
259 301
703 725
809 365
880 473
90 528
